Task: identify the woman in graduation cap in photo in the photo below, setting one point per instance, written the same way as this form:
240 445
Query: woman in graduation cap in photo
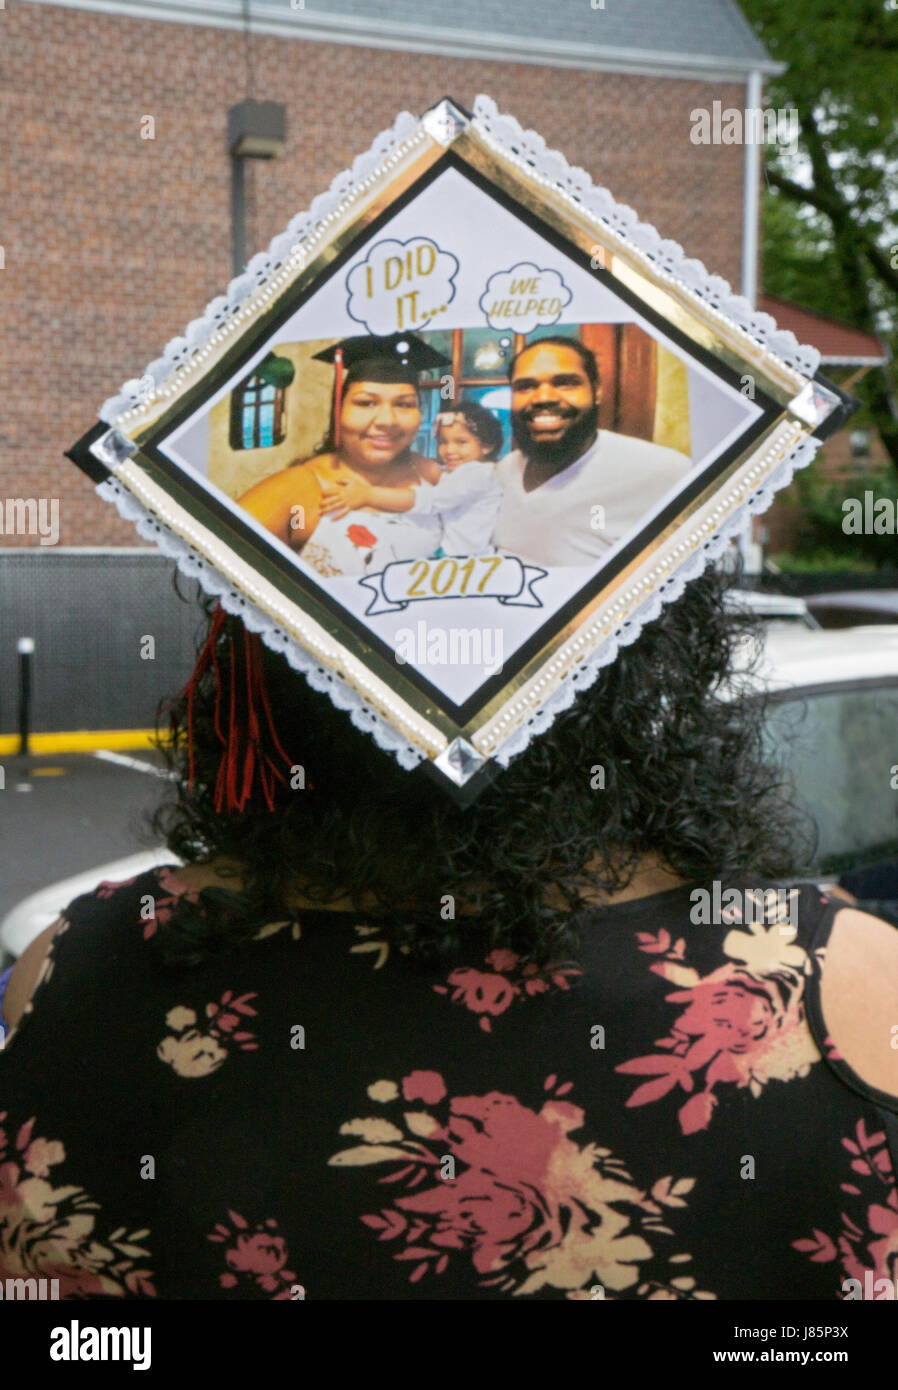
375 416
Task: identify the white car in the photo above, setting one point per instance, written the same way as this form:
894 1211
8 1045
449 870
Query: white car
855 607
778 610
834 718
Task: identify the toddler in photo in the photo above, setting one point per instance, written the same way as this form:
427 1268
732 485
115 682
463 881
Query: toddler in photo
466 498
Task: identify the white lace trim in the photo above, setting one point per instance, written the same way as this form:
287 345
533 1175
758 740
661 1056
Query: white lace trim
528 148
191 563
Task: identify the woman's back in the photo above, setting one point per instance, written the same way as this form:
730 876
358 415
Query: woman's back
318 1114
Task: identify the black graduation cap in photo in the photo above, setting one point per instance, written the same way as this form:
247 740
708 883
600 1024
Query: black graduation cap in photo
400 357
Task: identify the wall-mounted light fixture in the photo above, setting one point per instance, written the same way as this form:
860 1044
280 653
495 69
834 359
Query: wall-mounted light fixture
256 130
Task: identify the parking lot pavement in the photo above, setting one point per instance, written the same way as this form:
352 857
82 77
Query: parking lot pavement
64 813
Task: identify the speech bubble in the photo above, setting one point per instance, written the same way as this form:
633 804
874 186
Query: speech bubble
524 297
401 286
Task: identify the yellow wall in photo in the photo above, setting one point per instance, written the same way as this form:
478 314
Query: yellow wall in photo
672 403
307 405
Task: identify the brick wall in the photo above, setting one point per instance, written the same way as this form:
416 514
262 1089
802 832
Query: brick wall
113 243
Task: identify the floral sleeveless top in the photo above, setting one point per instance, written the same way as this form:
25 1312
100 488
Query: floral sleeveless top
317 1114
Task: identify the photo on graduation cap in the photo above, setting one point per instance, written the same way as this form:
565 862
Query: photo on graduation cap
552 445
423 446
481 425
459 434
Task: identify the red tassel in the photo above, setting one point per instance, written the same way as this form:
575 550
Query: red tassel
206 658
338 394
248 746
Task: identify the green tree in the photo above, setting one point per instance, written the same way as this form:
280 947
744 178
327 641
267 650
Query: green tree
837 196
799 259
822 538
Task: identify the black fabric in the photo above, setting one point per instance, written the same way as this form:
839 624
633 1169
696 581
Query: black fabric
658 1118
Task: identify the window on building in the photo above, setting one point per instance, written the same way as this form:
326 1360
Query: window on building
258 409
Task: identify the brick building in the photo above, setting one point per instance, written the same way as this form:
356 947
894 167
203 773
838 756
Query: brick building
116 225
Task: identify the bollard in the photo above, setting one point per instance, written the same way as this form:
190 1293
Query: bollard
25 648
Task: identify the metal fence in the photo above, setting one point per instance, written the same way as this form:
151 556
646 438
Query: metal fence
90 613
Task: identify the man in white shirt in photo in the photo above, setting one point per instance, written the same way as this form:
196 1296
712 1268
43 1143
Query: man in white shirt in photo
569 490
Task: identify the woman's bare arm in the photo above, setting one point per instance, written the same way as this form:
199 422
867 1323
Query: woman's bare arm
859 996
26 970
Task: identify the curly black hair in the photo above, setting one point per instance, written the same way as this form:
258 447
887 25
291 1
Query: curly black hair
686 777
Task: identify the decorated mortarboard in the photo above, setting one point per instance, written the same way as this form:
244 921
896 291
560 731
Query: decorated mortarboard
646 410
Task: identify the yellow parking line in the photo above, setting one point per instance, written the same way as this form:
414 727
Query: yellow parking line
80 741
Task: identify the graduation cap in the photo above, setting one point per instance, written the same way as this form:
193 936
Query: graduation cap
399 358
504 243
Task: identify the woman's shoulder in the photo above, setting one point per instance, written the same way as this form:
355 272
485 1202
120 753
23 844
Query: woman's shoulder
858 995
301 472
26 973
327 462
96 920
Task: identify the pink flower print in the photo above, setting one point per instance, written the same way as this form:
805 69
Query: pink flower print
9 1186
661 944
165 902
108 889
867 1248
256 1256
480 992
737 1029
41 1155
424 1085
525 1204
192 1052
502 960
744 1024
490 993
225 1019
167 877
53 1232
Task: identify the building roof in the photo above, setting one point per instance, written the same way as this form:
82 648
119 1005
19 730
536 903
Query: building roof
705 38
839 344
